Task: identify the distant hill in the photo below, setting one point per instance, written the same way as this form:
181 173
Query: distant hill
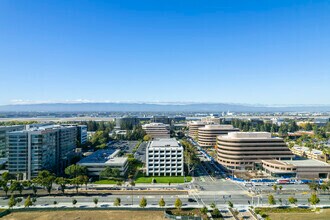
196 107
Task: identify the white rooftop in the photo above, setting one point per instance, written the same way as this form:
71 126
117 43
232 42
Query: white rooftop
248 135
306 162
218 127
305 149
164 142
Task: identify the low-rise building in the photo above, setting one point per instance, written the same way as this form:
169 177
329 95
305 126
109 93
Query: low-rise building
99 160
298 168
211 120
309 153
207 135
157 130
164 157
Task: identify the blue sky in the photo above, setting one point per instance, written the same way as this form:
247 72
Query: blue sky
256 52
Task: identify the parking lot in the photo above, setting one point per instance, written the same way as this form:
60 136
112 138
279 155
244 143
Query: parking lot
125 146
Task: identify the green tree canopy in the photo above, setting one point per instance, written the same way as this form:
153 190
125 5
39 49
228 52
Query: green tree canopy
28 202
271 200
178 203
117 202
313 200
75 170
143 202
161 202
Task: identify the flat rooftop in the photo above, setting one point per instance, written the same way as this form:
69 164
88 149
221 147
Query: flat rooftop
218 127
306 162
164 142
106 156
250 135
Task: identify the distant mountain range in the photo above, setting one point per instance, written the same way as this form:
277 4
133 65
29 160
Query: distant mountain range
158 107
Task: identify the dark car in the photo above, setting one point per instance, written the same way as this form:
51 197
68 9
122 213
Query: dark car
191 200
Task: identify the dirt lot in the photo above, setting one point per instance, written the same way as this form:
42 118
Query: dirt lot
322 215
86 215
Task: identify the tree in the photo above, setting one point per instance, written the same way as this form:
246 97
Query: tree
216 213
34 200
143 202
280 201
313 186
280 187
12 201
161 202
324 187
109 173
119 183
178 203
274 187
313 200
6 176
34 189
74 202
55 202
95 200
62 182
45 179
204 210
20 188
230 204
14 186
147 137
213 205
75 170
271 200
5 189
18 200
292 200
28 202
117 202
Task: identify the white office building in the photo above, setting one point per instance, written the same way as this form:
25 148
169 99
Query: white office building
164 157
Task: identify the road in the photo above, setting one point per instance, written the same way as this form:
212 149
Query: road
140 154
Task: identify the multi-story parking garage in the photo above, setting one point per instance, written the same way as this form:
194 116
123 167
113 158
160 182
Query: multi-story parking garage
207 135
246 150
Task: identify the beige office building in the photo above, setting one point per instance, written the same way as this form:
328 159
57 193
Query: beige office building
207 135
193 128
157 130
301 168
246 150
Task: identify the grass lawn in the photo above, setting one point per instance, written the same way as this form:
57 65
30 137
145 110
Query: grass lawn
106 182
162 179
296 213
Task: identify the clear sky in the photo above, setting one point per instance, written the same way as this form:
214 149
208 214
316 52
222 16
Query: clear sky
256 52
